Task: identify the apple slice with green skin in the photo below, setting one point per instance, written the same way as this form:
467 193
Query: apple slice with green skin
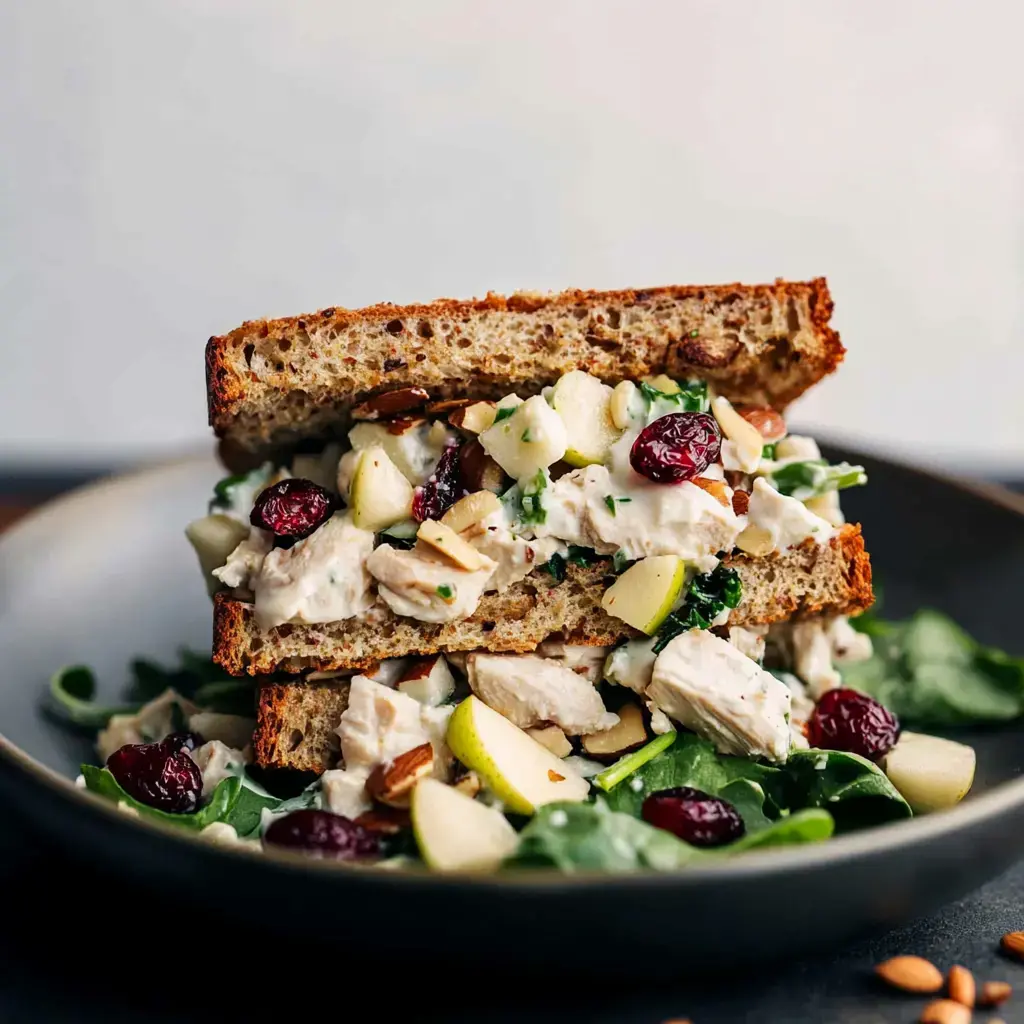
645 593
519 771
213 538
584 403
379 494
931 773
456 833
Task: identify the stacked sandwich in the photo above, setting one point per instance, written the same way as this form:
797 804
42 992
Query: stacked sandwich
500 544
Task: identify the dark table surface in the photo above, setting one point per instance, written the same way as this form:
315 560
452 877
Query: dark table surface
78 946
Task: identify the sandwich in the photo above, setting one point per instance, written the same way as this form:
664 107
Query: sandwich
527 500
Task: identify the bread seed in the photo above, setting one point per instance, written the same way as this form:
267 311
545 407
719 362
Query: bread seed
945 1011
1013 944
910 973
995 993
961 985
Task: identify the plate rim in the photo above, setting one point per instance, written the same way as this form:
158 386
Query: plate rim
757 864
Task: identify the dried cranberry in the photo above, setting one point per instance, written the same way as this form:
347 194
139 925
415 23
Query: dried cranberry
848 720
693 816
179 741
323 834
293 508
166 779
676 447
442 490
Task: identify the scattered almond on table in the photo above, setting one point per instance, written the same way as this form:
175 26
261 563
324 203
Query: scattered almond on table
911 974
945 1011
1013 944
960 985
994 993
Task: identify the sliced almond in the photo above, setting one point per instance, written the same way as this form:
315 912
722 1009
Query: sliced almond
765 420
994 993
387 821
627 735
911 974
390 403
475 418
471 509
445 540
618 406
945 1011
447 405
553 738
755 540
1012 944
716 488
747 438
960 985
478 470
392 783
740 502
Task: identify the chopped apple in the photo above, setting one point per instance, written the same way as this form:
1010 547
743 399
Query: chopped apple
931 773
213 538
523 774
531 439
456 833
629 734
445 540
412 445
663 383
468 511
475 418
584 403
428 680
645 593
553 738
379 495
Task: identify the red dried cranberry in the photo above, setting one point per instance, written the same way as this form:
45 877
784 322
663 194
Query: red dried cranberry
166 779
442 490
293 508
848 720
179 741
695 817
676 447
323 834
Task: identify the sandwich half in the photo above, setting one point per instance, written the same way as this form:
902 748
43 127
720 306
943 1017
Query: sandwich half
499 487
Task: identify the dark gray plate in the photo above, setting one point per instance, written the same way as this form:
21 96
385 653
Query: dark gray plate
105 574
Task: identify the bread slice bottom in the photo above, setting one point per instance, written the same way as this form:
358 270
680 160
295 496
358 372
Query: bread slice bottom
807 580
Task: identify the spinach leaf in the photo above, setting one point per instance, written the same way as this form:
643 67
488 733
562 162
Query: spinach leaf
582 557
236 494
227 697
856 792
218 808
245 814
707 595
555 567
815 477
592 837
930 673
71 698
810 826
531 504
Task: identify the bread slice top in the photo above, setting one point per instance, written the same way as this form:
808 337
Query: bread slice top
803 581
272 383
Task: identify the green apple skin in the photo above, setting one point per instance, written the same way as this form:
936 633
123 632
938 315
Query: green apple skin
584 403
454 832
520 772
379 495
644 594
931 773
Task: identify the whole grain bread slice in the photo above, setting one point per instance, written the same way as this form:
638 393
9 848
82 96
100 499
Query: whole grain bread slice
834 578
271 383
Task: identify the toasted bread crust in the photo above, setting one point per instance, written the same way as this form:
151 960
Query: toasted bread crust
808 580
272 382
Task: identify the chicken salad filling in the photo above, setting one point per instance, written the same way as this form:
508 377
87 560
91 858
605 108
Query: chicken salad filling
426 511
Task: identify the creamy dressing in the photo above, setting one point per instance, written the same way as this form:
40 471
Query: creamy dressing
631 664
218 762
707 685
529 690
787 521
515 557
245 562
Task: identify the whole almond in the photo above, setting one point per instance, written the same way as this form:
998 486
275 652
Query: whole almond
769 424
740 502
945 1011
1013 944
994 993
961 985
910 973
716 488
392 783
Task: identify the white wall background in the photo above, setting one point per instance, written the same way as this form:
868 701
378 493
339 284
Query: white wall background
168 169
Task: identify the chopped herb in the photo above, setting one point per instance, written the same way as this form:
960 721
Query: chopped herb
526 438
692 396
707 595
610 502
503 413
582 556
533 510
621 561
815 477
445 592
555 567
768 451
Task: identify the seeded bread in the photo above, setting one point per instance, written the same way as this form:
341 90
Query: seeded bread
803 581
296 723
271 383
